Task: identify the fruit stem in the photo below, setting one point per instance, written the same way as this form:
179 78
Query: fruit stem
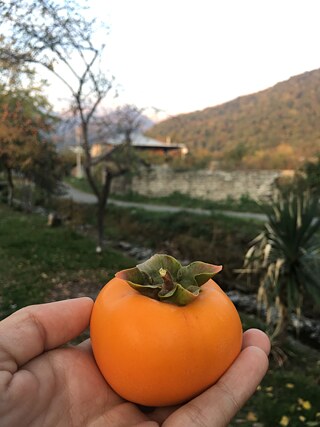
168 284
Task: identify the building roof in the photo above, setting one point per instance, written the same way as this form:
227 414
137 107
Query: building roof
143 142
139 141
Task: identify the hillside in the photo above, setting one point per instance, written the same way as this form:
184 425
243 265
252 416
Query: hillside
277 127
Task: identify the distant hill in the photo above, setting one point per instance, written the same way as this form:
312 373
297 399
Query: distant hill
277 127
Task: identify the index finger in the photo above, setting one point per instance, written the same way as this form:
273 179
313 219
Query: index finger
35 329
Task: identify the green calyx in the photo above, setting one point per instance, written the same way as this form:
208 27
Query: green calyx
163 278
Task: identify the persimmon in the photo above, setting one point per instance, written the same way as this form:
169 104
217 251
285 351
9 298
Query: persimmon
162 333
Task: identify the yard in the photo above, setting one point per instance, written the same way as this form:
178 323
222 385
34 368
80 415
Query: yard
39 263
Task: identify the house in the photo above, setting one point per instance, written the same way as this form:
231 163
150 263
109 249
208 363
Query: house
141 142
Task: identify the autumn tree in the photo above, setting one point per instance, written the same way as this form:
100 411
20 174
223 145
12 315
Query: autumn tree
25 122
45 170
59 38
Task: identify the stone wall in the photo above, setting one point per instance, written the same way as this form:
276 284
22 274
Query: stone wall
205 184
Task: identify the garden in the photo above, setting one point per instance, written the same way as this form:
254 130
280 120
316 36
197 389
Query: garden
40 263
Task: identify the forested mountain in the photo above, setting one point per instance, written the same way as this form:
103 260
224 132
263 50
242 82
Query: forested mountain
277 127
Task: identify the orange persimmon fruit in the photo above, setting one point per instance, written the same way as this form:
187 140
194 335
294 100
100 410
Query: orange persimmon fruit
162 333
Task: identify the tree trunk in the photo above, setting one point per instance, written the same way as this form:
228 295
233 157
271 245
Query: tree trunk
102 204
101 195
10 186
100 222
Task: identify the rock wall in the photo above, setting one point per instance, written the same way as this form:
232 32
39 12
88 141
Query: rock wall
204 184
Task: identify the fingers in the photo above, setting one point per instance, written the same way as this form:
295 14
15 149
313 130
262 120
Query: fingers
218 405
32 330
256 338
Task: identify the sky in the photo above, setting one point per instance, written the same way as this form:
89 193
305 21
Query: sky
185 55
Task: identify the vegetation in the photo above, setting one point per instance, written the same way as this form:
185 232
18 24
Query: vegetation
311 176
25 147
287 396
42 264
286 255
307 178
274 128
79 183
39 263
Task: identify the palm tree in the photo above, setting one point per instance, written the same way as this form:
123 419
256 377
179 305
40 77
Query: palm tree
286 254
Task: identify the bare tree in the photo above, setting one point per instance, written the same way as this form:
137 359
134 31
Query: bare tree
115 130
58 37
122 122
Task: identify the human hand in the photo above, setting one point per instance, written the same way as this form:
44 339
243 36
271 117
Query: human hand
43 384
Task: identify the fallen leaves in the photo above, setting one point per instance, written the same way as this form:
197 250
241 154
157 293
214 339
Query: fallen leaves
251 416
305 404
284 421
290 385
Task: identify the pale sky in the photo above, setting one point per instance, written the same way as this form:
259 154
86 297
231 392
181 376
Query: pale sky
185 55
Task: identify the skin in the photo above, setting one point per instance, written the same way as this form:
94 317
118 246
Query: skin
127 329
44 384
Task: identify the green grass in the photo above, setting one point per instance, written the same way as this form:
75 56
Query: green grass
35 257
79 183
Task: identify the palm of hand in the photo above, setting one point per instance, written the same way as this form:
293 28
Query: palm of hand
63 386
73 392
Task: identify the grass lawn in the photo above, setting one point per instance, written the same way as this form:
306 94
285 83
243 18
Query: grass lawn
38 263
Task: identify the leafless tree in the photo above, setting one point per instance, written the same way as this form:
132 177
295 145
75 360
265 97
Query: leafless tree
57 36
122 122
115 131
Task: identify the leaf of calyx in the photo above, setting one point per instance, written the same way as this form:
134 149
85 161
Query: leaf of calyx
197 274
157 262
179 295
163 278
140 281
